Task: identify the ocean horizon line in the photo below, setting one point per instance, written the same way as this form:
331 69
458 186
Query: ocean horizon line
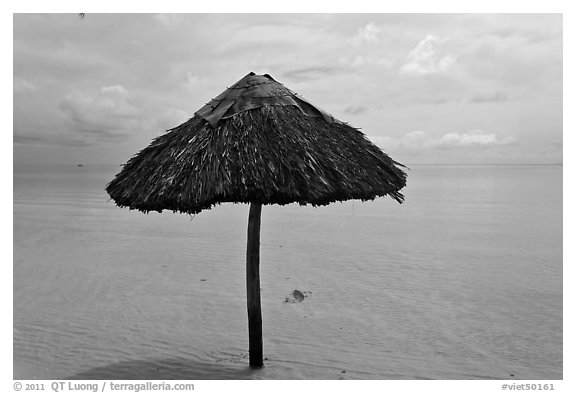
81 164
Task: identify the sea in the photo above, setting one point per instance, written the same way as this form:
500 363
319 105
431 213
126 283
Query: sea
463 281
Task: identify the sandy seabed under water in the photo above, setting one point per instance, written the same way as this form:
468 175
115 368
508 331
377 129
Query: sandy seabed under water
463 281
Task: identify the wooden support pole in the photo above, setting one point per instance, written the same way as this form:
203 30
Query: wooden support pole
253 287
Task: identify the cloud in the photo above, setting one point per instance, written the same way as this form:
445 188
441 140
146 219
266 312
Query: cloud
368 34
420 140
358 61
22 85
426 58
108 113
529 36
31 139
194 82
311 73
270 38
168 118
349 63
111 114
37 139
485 98
84 132
166 20
473 138
414 140
356 109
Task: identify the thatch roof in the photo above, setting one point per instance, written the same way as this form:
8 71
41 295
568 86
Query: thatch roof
256 142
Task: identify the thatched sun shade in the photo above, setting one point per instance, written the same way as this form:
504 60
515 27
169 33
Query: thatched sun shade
258 143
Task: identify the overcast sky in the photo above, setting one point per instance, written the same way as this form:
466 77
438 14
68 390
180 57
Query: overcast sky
427 88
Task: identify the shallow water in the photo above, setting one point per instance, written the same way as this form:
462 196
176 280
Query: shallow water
462 281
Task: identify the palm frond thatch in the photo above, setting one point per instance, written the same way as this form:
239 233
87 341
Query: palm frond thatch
256 142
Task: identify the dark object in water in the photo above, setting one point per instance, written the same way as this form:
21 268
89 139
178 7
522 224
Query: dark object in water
79 165
297 296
